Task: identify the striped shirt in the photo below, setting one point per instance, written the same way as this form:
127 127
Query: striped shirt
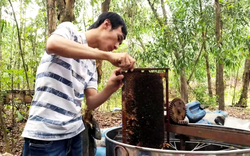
55 112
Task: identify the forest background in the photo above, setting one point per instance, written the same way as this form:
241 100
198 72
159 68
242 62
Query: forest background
204 43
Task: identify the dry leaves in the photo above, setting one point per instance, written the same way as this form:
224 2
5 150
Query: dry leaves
242 113
108 119
105 120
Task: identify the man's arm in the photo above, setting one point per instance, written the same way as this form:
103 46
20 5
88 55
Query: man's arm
64 47
94 99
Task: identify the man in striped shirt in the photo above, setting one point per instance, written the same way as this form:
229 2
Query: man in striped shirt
66 74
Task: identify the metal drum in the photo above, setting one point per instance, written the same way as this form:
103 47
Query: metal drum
115 147
148 131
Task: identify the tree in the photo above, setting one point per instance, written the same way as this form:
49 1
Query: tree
20 48
3 127
204 32
219 64
105 5
246 79
105 8
51 14
65 10
1 29
175 41
241 38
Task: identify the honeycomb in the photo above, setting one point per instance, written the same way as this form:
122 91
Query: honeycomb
143 109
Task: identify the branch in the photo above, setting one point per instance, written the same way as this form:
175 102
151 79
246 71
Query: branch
20 48
218 23
164 12
133 12
141 43
179 38
105 5
155 13
196 61
202 46
105 8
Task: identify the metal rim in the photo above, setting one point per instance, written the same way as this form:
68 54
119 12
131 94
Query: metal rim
237 151
122 148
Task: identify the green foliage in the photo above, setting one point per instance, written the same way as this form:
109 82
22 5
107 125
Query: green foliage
3 24
199 93
19 116
175 44
32 41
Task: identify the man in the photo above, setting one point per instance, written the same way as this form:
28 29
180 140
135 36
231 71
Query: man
66 74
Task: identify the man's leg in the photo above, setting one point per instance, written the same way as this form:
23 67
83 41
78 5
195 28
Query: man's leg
44 148
75 146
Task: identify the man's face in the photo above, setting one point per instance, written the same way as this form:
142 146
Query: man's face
111 39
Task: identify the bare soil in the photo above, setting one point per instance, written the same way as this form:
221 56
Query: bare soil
237 112
105 120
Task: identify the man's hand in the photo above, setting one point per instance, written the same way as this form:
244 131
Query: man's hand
122 60
94 99
115 80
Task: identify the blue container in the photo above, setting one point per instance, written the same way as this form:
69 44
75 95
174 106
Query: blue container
203 121
116 109
194 111
225 114
101 151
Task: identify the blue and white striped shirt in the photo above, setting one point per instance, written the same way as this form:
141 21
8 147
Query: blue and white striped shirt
55 112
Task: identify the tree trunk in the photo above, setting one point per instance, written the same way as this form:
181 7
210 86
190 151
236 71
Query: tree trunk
105 8
2 124
45 33
235 85
0 39
220 86
246 79
88 116
132 9
105 5
183 79
65 10
164 12
209 81
3 127
219 65
51 15
20 48
184 86
204 36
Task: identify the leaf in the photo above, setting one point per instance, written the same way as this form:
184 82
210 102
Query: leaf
3 24
19 116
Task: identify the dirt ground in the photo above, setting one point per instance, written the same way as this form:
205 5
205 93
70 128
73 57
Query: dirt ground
105 120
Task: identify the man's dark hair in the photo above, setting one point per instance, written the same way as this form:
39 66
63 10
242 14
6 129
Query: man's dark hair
115 20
